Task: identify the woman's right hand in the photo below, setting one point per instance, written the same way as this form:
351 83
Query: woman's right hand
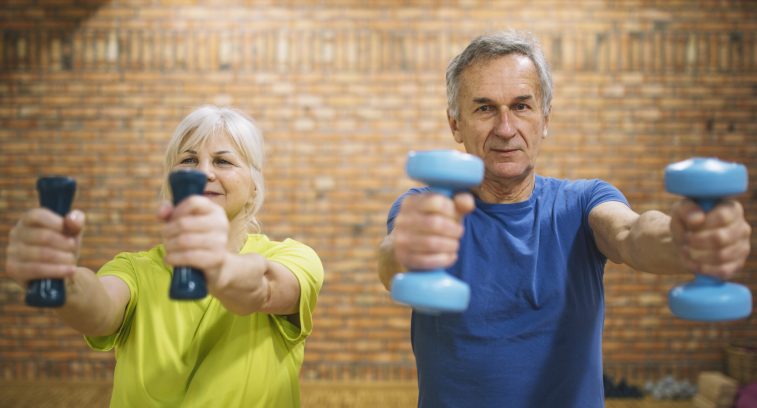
44 245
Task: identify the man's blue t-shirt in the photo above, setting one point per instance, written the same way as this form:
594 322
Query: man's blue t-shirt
532 334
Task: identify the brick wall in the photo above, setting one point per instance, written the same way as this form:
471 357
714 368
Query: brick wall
342 90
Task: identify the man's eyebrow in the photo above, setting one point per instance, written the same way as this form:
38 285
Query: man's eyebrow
483 99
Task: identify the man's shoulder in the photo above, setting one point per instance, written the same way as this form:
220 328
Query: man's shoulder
579 184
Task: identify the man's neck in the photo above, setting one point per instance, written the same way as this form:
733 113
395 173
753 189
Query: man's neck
506 191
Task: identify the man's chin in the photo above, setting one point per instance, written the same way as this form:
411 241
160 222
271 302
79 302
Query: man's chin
510 170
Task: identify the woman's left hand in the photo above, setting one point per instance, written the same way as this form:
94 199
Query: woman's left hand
195 234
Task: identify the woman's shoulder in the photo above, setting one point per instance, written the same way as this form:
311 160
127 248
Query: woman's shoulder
262 243
154 255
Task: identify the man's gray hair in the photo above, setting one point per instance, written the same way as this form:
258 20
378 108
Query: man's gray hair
491 46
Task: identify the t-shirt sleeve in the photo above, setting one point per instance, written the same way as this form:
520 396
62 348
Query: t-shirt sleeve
395 208
306 266
600 191
122 268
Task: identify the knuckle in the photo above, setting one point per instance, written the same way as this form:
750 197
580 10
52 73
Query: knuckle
436 224
45 255
184 240
183 223
721 256
722 237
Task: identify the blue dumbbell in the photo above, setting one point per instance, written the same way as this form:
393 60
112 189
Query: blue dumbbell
706 298
187 283
446 172
56 193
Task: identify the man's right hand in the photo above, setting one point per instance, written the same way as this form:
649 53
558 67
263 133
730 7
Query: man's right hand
44 245
428 228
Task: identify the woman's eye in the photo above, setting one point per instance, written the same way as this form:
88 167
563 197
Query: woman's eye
188 160
224 162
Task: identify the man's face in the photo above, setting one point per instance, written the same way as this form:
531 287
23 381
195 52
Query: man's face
500 115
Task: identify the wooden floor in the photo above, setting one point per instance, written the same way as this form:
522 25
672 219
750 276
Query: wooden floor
46 394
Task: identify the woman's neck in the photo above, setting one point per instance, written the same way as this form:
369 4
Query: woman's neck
237 235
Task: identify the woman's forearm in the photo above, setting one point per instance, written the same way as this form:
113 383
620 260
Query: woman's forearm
94 306
250 283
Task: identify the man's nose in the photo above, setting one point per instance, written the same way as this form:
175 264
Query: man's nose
504 125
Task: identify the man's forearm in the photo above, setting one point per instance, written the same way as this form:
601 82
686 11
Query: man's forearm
650 246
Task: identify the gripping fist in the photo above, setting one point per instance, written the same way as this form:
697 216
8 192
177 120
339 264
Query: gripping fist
714 243
428 228
44 245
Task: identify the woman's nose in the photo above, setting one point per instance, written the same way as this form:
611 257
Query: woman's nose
207 168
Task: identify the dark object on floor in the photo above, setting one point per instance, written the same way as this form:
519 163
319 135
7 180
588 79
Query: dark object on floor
621 389
669 388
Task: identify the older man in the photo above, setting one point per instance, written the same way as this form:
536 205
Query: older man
532 248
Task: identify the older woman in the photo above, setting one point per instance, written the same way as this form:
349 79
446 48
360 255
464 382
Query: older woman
241 346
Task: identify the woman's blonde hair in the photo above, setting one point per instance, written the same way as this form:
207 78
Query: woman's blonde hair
207 121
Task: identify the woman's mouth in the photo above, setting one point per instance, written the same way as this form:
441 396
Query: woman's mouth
211 194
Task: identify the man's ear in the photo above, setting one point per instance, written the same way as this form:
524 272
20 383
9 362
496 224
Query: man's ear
546 126
453 127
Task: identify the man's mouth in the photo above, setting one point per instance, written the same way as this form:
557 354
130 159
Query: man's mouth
505 150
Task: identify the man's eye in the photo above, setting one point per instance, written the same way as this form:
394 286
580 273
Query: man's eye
520 107
485 108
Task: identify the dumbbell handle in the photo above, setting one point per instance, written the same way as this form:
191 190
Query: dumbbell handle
56 193
706 204
187 283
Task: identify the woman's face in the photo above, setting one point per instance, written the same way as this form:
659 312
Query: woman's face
229 180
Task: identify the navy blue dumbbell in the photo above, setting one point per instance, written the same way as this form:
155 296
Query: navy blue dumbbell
187 283
56 193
